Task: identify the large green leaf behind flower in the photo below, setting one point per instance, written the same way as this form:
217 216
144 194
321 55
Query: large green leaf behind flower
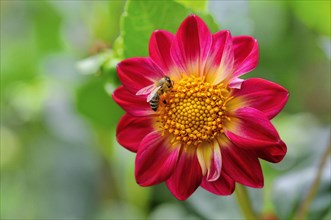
141 18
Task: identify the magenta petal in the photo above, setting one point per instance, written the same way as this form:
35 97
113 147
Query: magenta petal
220 59
191 46
223 186
132 104
137 73
159 49
273 154
221 48
246 54
156 160
250 129
263 95
187 176
242 166
128 125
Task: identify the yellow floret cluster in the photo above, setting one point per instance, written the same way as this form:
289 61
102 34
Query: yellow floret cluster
193 111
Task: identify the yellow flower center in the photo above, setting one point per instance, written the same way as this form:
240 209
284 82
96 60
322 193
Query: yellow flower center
193 110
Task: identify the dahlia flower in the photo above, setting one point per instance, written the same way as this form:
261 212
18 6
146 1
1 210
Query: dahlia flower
210 127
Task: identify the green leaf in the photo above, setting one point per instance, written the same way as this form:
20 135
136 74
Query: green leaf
198 5
93 64
103 64
96 105
118 47
314 14
141 18
103 20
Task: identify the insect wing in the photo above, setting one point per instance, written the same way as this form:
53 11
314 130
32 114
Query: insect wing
151 95
146 90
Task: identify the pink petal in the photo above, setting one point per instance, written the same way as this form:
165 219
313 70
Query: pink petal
210 159
131 130
236 83
187 176
241 165
246 54
261 94
159 49
220 59
156 160
137 73
214 170
250 129
132 104
223 186
191 46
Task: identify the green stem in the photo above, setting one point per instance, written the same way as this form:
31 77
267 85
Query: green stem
303 209
244 202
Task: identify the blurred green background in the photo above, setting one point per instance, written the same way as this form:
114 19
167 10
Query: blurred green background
59 156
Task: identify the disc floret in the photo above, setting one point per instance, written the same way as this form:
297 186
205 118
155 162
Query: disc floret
194 110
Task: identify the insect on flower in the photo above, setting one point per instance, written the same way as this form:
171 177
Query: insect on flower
201 125
155 91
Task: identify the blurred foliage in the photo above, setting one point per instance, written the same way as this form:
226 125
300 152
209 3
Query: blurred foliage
89 98
59 156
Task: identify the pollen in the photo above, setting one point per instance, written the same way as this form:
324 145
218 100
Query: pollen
194 111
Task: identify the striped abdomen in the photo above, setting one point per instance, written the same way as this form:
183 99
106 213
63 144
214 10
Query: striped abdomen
154 103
